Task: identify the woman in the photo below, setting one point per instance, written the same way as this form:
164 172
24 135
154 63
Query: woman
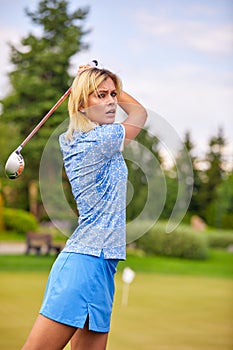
78 300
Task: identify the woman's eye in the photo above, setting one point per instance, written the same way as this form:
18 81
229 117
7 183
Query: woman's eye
101 95
113 94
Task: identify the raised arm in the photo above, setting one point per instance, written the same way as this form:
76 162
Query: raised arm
136 116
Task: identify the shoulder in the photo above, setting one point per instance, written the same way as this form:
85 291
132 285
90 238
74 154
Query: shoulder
62 138
63 142
77 137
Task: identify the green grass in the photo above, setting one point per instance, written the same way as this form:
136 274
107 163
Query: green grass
17 263
173 303
219 264
164 311
174 312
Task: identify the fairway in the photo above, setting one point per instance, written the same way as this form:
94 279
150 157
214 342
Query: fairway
164 312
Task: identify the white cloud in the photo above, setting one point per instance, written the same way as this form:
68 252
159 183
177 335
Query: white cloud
187 101
202 36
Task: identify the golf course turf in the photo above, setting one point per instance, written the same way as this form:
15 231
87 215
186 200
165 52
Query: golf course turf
172 303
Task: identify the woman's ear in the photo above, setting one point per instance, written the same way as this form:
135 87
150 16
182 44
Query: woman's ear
82 110
81 107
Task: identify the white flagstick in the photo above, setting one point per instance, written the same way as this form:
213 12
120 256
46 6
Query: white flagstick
127 277
125 294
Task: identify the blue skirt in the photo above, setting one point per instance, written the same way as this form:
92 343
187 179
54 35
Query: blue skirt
80 287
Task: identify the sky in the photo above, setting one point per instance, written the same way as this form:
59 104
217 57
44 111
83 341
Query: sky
175 57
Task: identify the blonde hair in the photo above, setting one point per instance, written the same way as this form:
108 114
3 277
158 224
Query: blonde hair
83 85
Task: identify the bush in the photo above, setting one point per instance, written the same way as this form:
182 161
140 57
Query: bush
220 240
182 242
19 220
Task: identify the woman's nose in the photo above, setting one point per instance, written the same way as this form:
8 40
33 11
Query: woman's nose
112 99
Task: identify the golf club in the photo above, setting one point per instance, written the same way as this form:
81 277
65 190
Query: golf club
15 163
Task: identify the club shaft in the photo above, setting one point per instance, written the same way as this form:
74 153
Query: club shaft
51 111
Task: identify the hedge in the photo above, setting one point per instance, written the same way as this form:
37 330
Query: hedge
220 240
182 242
18 220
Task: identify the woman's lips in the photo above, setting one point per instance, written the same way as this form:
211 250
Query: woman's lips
111 111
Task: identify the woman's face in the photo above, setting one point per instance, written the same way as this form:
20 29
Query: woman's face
103 103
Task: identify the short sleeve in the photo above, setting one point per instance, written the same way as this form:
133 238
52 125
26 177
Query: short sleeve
62 142
111 138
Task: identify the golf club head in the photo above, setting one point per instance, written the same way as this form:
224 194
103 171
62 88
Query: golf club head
14 165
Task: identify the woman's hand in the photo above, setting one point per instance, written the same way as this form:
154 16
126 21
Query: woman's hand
83 67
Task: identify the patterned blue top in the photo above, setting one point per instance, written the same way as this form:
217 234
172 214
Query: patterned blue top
98 176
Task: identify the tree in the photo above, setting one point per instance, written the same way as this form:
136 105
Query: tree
40 76
180 182
1 208
213 176
194 206
141 157
220 211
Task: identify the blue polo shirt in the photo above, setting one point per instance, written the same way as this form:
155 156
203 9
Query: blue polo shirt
97 174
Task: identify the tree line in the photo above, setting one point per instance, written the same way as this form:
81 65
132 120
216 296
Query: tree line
40 75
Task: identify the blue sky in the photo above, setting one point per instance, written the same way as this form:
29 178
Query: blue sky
176 57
